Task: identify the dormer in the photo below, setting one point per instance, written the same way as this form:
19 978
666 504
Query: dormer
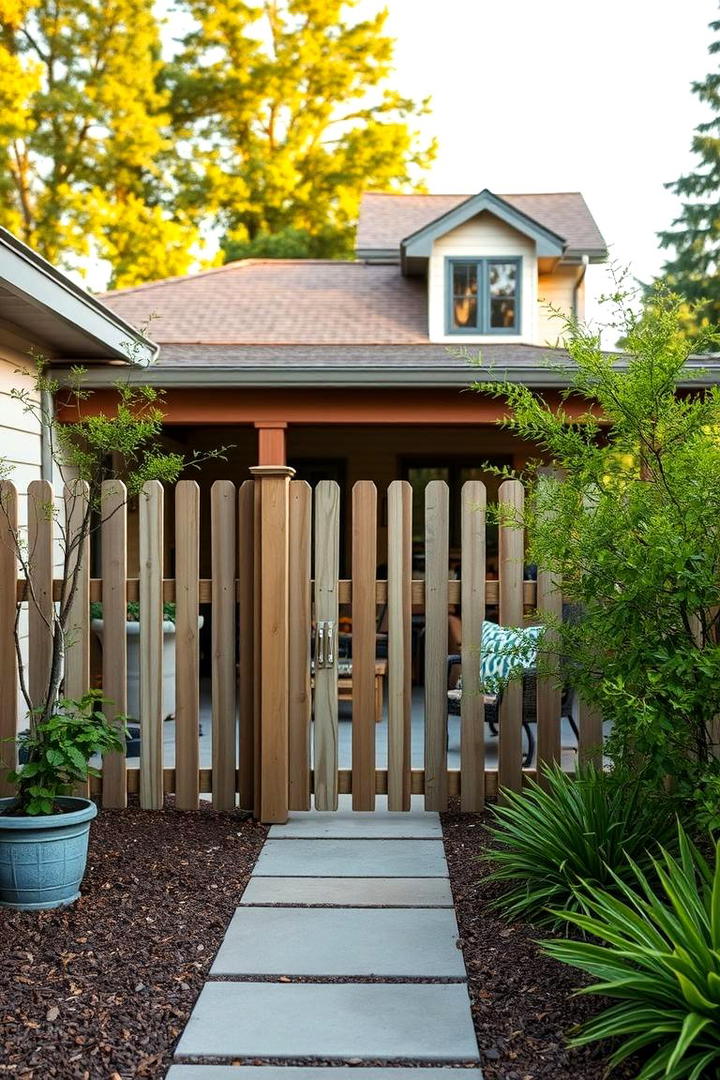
491 262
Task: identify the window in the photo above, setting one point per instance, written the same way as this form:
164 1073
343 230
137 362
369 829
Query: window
484 296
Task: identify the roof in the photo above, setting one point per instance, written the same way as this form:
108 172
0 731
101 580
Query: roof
278 301
47 305
386 220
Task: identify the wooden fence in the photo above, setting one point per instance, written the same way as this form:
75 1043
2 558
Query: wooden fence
274 736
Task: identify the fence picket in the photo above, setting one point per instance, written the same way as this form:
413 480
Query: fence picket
223 514
399 642
511 547
8 611
299 626
472 703
327 561
549 693
187 644
590 743
41 521
151 506
113 545
436 641
246 637
364 616
76 497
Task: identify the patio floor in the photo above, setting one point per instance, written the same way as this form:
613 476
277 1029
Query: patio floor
381 741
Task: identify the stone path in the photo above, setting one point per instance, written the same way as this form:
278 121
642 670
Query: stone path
364 898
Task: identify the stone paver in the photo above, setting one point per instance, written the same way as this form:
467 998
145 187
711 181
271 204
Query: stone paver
349 892
352 858
387 1021
346 823
295 1072
412 942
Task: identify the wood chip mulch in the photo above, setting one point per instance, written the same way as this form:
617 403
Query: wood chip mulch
522 1000
103 989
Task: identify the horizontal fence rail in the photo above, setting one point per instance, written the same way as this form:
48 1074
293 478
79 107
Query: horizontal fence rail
275 601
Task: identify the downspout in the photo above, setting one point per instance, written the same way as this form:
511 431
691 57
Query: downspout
47 410
578 283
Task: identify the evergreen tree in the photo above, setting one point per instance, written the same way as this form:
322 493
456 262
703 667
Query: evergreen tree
287 105
87 164
694 269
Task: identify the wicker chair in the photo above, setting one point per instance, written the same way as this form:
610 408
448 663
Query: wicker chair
529 710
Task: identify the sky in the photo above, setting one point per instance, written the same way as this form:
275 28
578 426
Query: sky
562 95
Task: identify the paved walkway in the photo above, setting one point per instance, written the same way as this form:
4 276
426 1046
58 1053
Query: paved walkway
363 898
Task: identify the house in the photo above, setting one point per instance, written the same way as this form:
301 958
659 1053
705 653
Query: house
45 314
357 370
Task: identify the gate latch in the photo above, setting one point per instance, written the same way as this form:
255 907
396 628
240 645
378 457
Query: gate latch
325 643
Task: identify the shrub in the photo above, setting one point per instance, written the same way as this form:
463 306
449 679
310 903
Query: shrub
660 959
571 830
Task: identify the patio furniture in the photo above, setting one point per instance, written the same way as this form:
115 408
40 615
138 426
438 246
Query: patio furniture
345 684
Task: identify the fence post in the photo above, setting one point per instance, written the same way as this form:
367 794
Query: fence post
272 512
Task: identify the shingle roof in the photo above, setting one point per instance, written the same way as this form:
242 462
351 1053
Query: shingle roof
303 302
386 220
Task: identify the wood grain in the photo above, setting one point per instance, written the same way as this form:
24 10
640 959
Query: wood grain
472 703
77 631
223 519
40 504
511 550
364 617
150 510
187 643
327 561
113 565
246 637
437 553
299 646
399 642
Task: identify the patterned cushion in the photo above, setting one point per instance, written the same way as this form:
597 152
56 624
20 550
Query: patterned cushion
505 651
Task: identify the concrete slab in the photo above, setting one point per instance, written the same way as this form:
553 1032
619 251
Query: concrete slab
356 858
425 1021
296 1072
349 892
378 824
412 942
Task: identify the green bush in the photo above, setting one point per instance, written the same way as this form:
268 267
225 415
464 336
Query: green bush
571 830
660 959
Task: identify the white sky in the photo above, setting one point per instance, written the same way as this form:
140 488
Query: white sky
562 95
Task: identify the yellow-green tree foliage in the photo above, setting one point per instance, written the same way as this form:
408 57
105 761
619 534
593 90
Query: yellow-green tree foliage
88 168
288 106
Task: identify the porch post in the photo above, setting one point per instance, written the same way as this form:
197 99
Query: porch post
271 442
272 510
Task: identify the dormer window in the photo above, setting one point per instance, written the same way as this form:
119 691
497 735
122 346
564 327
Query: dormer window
484 296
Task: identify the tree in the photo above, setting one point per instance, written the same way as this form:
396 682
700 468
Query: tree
630 524
287 107
88 169
694 269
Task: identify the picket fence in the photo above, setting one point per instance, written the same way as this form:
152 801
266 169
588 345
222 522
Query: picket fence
274 714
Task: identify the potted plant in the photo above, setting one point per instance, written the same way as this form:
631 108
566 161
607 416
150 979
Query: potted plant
44 828
44 818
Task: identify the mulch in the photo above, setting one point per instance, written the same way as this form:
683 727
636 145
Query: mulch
103 989
522 1001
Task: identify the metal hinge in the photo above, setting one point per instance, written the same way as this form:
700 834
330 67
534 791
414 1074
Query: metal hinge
325 643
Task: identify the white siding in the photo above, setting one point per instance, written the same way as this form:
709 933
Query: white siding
557 289
484 235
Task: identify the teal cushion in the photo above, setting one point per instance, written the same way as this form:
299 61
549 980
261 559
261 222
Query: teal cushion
506 651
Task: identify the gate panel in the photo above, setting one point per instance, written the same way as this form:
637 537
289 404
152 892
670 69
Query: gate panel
399 643
299 624
327 563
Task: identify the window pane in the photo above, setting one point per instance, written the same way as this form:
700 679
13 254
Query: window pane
465 287
502 314
503 279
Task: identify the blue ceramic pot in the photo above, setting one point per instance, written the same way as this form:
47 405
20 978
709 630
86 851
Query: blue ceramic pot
42 859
